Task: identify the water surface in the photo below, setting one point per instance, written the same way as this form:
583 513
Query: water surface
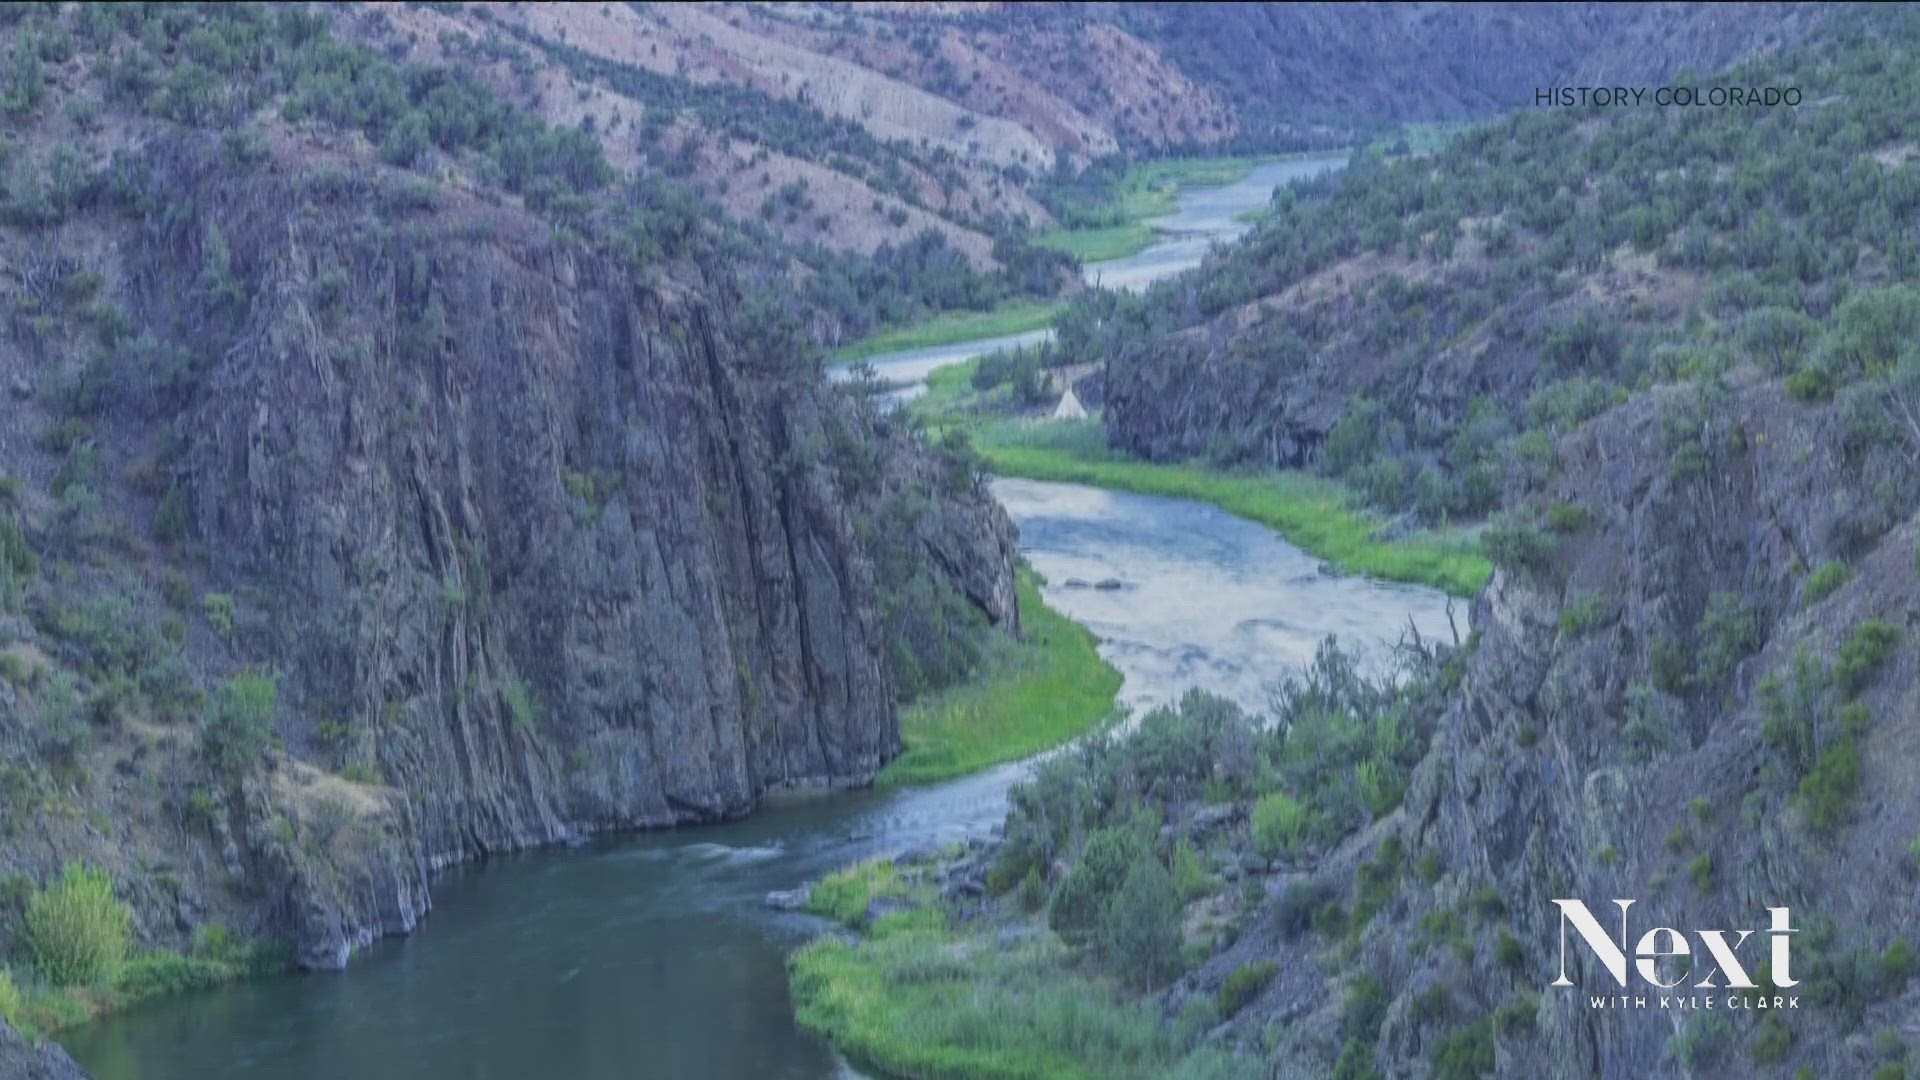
655 956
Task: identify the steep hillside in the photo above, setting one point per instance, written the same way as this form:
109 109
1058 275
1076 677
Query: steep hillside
1424 329
1671 356
361 515
1301 71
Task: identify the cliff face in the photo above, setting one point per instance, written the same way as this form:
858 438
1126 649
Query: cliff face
531 548
1627 728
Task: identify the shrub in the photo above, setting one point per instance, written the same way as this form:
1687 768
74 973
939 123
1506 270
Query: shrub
1770 1043
1822 582
1862 654
1140 929
74 929
1190 874
1581 613
1507 950
1827 788
1466 1053
1514 541
1303 899
9 999
1566 518
1729 632
1242 985
219 608
1279 823
1081 899
1517 1013
1701 870
240 723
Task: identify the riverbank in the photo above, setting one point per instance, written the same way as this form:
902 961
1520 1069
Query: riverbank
1147 190
1029 695
39 1009
954 327
1314 513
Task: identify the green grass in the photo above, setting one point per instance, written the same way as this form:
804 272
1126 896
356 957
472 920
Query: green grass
917 998
843 895
1016 317
1149 190
1313 513
1030 696
1099 245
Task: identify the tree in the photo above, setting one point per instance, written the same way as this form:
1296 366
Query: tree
1140 928
240 724
407 141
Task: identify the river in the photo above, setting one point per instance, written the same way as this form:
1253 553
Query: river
655 955
1202 218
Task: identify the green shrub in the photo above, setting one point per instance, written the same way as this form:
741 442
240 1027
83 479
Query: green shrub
1810 383
1081 899
1823 582
9 999
520 706
1770 1042
1466 1053
1242 985
1190 874
1729 632
1700 869
219 609
1567 518
1507 950
74 930
1140 932
1862 654
1517 1013
1828 787
1279 823
1513 540
240 722
1581 613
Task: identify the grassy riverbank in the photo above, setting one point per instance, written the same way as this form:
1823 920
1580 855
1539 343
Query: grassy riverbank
1149 190
954 327
916 997
1031 695
39 1007
1312 512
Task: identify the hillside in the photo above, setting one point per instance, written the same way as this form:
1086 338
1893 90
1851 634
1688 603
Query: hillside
388 483
1665 361
852 127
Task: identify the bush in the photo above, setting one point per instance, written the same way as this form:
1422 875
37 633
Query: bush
1822 582
1243 985
9 999
1862 654
240 724
1081 900
1514 541
1507 950
1140 929
1770 1043
1279 823
1827 788
1466 1053
74 929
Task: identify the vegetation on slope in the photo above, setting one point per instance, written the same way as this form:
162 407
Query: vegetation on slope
1024 697
1099 888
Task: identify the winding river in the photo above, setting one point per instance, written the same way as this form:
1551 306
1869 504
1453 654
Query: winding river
655 955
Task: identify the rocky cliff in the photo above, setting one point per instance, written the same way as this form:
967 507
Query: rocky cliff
358 524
